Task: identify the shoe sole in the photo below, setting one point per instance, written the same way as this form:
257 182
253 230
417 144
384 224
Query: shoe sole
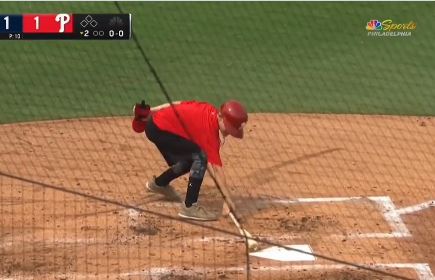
196 218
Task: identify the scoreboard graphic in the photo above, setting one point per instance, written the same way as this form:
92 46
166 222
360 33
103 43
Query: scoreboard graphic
65 26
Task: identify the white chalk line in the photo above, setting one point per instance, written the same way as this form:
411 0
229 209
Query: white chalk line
422 270
371 235
316 200
390 214
416 208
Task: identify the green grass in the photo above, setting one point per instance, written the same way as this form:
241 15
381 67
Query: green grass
275 57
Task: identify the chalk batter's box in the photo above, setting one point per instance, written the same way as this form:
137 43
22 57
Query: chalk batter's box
65 26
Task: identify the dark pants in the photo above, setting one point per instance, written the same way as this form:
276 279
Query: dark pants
182 156
172 147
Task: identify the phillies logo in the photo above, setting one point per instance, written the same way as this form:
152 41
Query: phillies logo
63 19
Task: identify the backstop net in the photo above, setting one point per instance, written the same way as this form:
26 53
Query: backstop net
332 178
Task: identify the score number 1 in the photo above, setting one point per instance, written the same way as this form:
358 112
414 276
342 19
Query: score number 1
6 18
36 22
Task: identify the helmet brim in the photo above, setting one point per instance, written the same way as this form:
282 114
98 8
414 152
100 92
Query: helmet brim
233 131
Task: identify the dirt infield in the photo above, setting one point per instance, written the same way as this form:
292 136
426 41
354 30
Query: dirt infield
356 188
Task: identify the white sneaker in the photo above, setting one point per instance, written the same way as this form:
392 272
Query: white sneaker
198 213
168 191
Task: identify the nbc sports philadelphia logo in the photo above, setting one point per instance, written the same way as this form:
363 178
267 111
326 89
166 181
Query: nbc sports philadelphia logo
389 28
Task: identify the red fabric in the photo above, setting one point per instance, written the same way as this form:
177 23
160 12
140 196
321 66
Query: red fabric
201 121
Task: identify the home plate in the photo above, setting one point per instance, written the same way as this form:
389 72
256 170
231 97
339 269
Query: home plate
284 255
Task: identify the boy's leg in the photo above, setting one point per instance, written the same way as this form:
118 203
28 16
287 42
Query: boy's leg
191 209
179 162
197 173
176 170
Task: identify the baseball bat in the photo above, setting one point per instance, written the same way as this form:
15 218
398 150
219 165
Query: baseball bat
252 244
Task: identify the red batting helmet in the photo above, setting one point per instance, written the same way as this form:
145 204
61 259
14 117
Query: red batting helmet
235 117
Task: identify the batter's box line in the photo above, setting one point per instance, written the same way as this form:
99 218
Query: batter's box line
422 270
391 214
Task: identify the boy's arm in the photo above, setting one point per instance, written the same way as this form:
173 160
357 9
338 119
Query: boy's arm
218 173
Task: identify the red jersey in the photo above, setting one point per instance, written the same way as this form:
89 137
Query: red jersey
201 122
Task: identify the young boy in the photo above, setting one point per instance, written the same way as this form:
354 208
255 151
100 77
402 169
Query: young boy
189 135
